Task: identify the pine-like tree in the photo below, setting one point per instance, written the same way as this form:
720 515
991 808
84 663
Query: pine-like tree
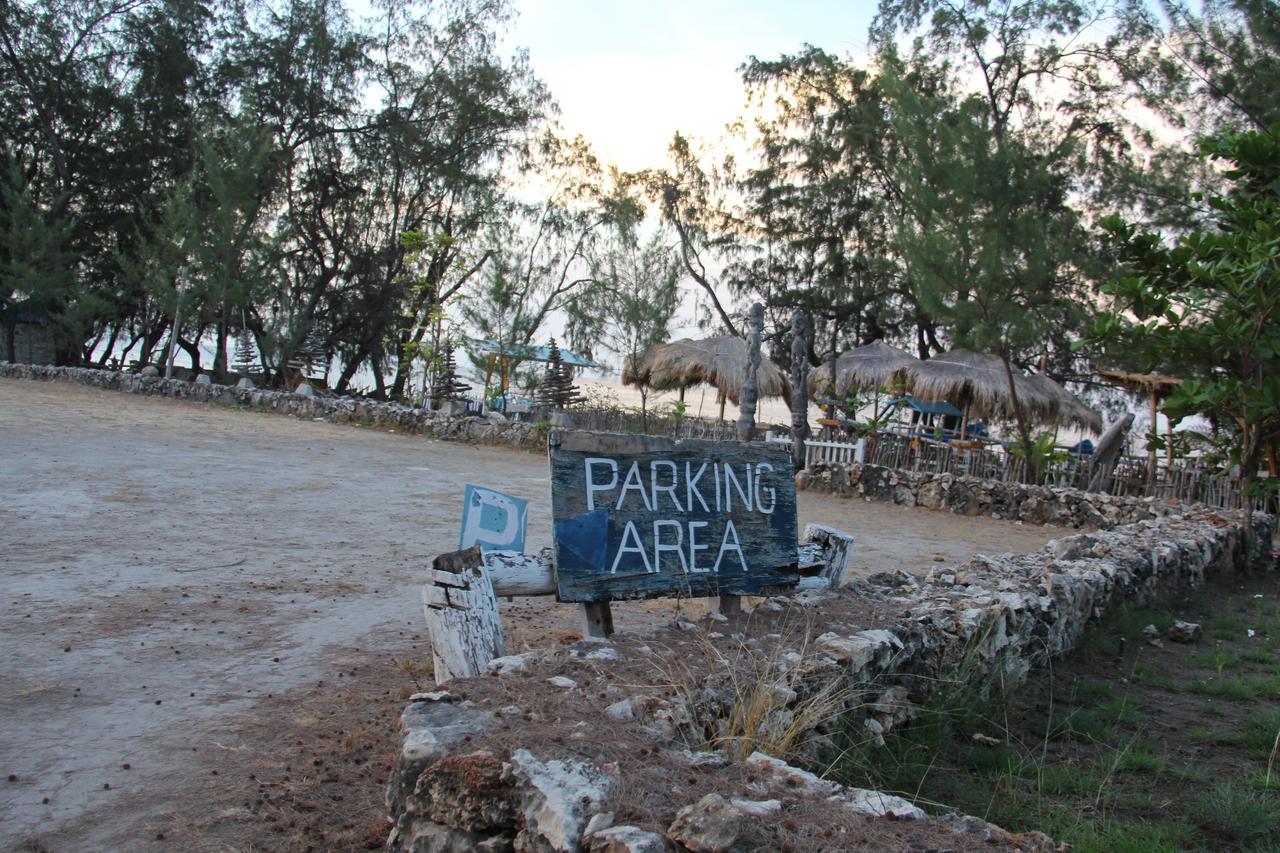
246 354
447 385
558 389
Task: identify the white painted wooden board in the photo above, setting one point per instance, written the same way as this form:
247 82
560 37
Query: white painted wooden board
461 610
520 574
837 547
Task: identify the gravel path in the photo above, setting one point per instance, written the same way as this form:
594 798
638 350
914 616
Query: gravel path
168 567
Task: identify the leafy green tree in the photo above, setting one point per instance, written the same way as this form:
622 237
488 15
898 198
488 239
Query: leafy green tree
685 194
1211 69
541 259
233 258
1014 120
454 112
1208 306
989 239
36 268
815 215
636 297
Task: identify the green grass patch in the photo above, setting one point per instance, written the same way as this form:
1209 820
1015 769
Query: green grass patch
1262 657
1124 746
1241 812
1142 760
1124 836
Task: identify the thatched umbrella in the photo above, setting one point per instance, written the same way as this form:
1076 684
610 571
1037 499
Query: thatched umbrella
977 384
1155 386
719 361
1071 410
865 368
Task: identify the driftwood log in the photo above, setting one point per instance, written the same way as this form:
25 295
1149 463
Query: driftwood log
1108 452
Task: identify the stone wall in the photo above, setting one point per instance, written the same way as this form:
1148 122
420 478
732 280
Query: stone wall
495 429
989 621
1059 507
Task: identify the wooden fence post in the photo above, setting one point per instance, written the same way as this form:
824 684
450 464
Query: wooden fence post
462 615
837 547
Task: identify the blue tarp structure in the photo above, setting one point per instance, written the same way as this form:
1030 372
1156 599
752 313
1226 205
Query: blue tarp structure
532 353
939 408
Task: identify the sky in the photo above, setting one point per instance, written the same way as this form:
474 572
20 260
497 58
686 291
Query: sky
628 74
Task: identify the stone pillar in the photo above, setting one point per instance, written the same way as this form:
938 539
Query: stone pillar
799 385
748 394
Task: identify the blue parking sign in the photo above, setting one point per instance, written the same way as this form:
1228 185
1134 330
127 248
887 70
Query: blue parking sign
494 521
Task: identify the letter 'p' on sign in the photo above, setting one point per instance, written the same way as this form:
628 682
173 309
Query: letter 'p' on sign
645 517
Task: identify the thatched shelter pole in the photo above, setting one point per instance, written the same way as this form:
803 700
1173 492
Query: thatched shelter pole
1151 451
747 396
800 386
835 340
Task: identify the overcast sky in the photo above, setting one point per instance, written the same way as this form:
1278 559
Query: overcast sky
629 74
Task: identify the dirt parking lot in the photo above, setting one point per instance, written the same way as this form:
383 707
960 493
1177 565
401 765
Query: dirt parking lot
210 618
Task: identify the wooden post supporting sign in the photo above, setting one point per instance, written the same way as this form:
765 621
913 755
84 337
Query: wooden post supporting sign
462 615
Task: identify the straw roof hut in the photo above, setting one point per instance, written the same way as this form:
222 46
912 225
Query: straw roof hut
976 383
1071 409
718 361
864 368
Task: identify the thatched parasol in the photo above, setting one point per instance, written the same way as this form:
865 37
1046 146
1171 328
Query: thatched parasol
1155 386
976 383
719 361
1071 410
864 368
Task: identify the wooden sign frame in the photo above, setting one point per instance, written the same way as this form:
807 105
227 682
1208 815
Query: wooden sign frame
645 517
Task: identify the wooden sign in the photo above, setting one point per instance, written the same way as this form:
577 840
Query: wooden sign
646 517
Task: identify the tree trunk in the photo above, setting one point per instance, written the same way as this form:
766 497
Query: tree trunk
350 368
1250 458
379 381
192 349
404 361
111 345
220 353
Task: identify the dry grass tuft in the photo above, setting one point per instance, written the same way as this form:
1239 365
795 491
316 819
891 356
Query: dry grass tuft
765 695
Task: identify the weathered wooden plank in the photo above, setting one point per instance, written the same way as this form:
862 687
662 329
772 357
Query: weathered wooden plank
461 611
435 596
643 517
446 578
597 620
520 574
836 547
809 559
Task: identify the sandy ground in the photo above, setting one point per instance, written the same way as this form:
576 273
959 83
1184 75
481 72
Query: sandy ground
185 588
